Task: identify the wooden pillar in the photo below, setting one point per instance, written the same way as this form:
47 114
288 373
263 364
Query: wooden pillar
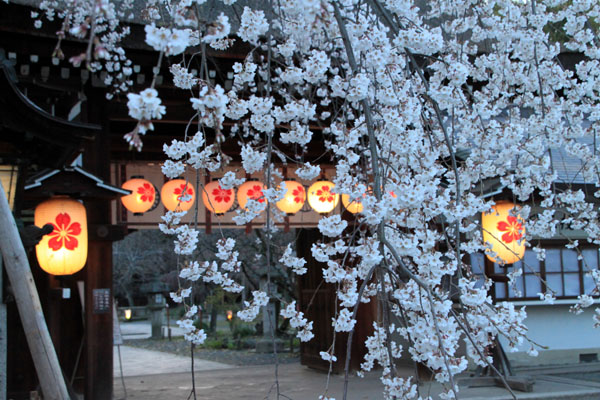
98 322
98 348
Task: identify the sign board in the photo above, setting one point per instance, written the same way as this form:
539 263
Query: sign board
101 298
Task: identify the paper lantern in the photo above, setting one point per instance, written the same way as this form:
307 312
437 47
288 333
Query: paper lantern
250 190
178 195
503 232
216 199
321 198
352 206
142 197
294 198
356 206
64 250
128 314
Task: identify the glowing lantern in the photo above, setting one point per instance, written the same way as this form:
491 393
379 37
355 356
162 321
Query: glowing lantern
250 190
294 198
178 195
229 315
128 314
321 198
142 197
64 250
353 206
504 231
216 199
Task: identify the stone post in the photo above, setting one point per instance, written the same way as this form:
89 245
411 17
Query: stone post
269 317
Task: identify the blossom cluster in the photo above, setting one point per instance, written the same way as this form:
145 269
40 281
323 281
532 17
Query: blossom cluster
297 321
427 117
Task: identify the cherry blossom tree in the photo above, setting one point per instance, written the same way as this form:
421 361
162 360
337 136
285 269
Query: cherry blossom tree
421 105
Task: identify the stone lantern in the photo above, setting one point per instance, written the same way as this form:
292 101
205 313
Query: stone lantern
156 304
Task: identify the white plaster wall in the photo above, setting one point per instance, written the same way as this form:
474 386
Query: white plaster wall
565 334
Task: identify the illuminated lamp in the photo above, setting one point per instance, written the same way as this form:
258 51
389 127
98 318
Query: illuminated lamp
229 315
321 198
250 190
127 314
294 198
503 232
64 250
142 195
216 199
354 206
178 195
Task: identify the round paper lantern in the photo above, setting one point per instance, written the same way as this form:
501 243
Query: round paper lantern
352 206
64 250
216 199
142 197
178 195
320 197
250 190
294 198
503 232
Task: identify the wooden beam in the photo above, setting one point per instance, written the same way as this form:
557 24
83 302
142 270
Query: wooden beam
28 302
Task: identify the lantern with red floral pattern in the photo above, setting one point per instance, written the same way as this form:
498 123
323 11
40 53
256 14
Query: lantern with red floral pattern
142 195
64 250
216 199
294 198
178 195
321 198
251 190
503 229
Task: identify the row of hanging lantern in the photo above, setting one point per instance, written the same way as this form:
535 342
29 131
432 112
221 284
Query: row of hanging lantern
64 250
501 229
179 195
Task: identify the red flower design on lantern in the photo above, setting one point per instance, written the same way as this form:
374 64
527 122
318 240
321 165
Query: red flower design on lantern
184 190
147 192
325 196
512 227
64 233
298 194
255 193
222 195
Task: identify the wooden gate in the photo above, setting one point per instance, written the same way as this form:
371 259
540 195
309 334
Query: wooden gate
317 300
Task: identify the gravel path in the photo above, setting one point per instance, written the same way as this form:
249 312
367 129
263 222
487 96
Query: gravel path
231 357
